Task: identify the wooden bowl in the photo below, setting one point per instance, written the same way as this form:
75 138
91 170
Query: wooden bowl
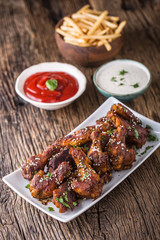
86 56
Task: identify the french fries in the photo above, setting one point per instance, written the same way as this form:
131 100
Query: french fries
89 27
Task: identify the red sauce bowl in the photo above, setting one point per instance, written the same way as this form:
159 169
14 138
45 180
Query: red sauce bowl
31 85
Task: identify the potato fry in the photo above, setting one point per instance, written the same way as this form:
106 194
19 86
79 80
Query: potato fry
97 23
89 27
93 11
62 32
75 39
83 8
77 43
87 22
69 20
112 18
120 27
107 45
100 43
109 36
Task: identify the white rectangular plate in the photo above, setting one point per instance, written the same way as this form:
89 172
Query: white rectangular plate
17 183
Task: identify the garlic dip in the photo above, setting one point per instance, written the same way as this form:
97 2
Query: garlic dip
122 77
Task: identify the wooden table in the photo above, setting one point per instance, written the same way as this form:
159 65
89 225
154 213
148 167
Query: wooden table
27 37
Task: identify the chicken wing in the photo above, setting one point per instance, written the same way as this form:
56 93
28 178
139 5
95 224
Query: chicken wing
42 185
78 138
37 162
99 159
62 156
88 183
125 113
103 124
120 156
136 134
64 197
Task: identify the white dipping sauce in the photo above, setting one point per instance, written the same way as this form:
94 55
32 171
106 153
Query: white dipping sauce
123 77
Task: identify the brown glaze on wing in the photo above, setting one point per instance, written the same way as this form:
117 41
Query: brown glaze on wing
120 156
42 185
103 124
78 138
62 156
125 113
99 159
88 184
136 134
37 162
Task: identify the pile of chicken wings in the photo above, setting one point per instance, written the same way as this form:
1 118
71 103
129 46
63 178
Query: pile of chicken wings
78 165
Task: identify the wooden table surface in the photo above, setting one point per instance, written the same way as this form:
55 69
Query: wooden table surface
130 211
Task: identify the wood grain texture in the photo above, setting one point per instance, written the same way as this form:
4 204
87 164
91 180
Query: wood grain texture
131 211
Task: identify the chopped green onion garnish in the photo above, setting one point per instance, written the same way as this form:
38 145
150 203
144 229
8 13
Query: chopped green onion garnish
50 209
27 186
152 137
122 72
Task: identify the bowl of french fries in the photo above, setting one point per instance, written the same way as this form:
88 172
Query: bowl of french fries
89 37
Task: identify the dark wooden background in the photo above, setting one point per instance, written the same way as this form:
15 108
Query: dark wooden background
27 37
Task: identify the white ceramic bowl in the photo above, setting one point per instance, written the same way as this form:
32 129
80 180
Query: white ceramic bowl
51 67
121 96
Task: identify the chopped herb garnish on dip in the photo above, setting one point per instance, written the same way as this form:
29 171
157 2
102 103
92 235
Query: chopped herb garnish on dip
149 127
136 134
121 79
74 204
50 209
27 186
51 84
122 72
152 137
49 174
121 84
85 176
113 79
136 85
60 200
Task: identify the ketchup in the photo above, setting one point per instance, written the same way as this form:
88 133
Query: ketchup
35 87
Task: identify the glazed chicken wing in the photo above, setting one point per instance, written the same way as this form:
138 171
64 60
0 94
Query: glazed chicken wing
103 124
64 197
125 113
88 183
99 159
136 134
120 156
78 138
62 156
42 185
37 162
